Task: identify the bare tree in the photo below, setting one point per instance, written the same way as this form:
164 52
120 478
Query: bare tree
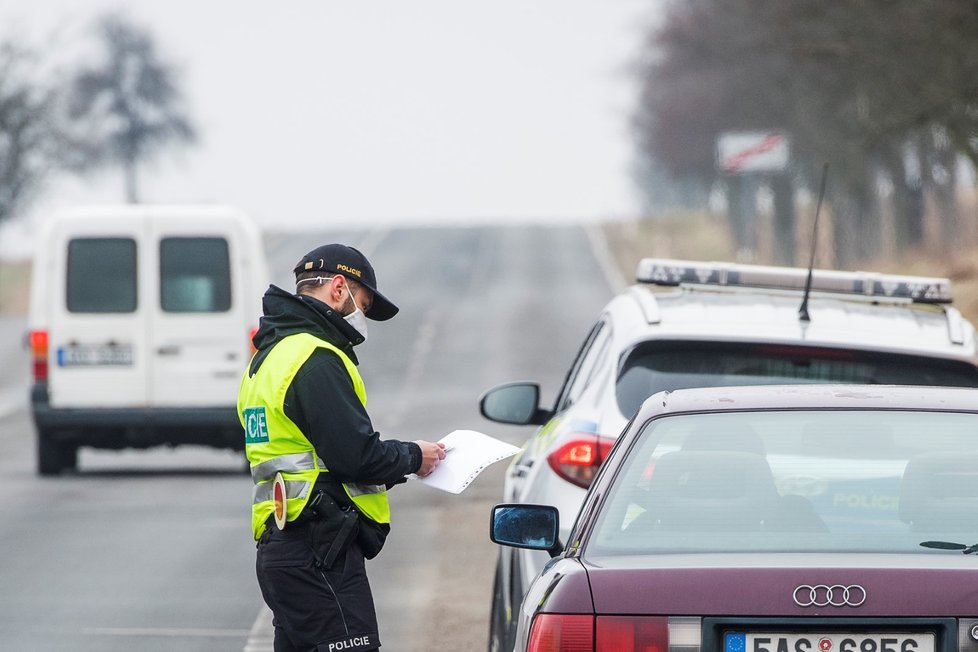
129 102
862 85
30 140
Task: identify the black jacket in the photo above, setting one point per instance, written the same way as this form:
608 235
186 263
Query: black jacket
321 400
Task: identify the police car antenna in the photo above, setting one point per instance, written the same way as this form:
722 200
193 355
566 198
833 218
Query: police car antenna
803 310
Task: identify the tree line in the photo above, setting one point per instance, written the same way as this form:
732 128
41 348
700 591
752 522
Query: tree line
883 91
119 109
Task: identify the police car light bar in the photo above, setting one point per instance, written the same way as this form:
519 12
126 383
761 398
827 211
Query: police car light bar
920 289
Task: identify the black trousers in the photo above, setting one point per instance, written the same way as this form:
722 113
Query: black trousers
315 609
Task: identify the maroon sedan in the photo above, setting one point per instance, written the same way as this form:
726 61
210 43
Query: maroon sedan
820 518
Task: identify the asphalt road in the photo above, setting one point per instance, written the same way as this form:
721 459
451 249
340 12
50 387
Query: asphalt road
152 550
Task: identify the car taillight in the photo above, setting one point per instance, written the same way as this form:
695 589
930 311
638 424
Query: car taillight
632 634
577 633
39 354
579 458
561 633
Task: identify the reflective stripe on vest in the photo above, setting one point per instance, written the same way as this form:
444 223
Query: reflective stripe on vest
355 490
275 444
286 464
293 489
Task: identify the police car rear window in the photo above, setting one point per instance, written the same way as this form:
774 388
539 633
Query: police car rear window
195 275
659 366
101 275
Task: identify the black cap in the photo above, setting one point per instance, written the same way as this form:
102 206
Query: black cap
341 259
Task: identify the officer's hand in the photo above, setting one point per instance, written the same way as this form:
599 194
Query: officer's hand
431 453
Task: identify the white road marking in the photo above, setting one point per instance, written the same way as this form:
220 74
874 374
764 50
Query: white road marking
372 240
175 632
602 253
261 638
420 352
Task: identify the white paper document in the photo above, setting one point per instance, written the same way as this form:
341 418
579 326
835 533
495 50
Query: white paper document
468 454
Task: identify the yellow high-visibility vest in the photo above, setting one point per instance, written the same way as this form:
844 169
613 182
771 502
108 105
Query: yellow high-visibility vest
274 444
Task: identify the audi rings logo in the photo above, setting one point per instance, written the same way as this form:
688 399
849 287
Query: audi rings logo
823 595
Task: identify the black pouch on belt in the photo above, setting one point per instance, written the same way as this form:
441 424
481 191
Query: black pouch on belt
331 529
372 537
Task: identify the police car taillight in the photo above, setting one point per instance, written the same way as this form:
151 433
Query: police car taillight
577 633
39 354
579 458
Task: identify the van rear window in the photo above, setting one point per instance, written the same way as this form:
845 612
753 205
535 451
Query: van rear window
101 275
195 275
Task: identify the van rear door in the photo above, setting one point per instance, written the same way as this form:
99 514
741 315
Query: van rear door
97 331
198 330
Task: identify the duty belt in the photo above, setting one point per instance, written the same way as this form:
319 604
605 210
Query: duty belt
310 512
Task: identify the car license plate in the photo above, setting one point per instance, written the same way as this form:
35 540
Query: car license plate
828 642
94 354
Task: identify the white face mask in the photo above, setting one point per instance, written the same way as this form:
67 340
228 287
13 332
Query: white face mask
356 318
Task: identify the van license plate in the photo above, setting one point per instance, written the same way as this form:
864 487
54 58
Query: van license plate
829 642
94 355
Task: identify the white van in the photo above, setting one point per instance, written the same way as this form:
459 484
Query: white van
140 326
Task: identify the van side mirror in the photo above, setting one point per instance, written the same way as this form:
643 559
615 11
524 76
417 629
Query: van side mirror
526 526
515 403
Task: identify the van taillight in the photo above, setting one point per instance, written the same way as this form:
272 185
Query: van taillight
561 633
251 338
39 354
577 633
579 459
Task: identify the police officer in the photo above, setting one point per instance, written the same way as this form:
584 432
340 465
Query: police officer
321 472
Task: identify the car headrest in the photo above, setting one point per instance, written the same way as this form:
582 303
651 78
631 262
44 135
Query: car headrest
700 488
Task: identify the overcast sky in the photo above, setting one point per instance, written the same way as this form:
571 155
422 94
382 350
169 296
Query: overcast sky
324 112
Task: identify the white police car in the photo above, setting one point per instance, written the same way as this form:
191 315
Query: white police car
692 324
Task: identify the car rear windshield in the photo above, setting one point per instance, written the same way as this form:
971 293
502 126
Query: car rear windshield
195 275
786 481
664 365
101 275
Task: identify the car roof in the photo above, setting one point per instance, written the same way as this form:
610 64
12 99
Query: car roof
771 316
806 397
733 302
879 287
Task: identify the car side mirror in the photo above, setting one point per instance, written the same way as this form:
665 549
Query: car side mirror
515 403
526 526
